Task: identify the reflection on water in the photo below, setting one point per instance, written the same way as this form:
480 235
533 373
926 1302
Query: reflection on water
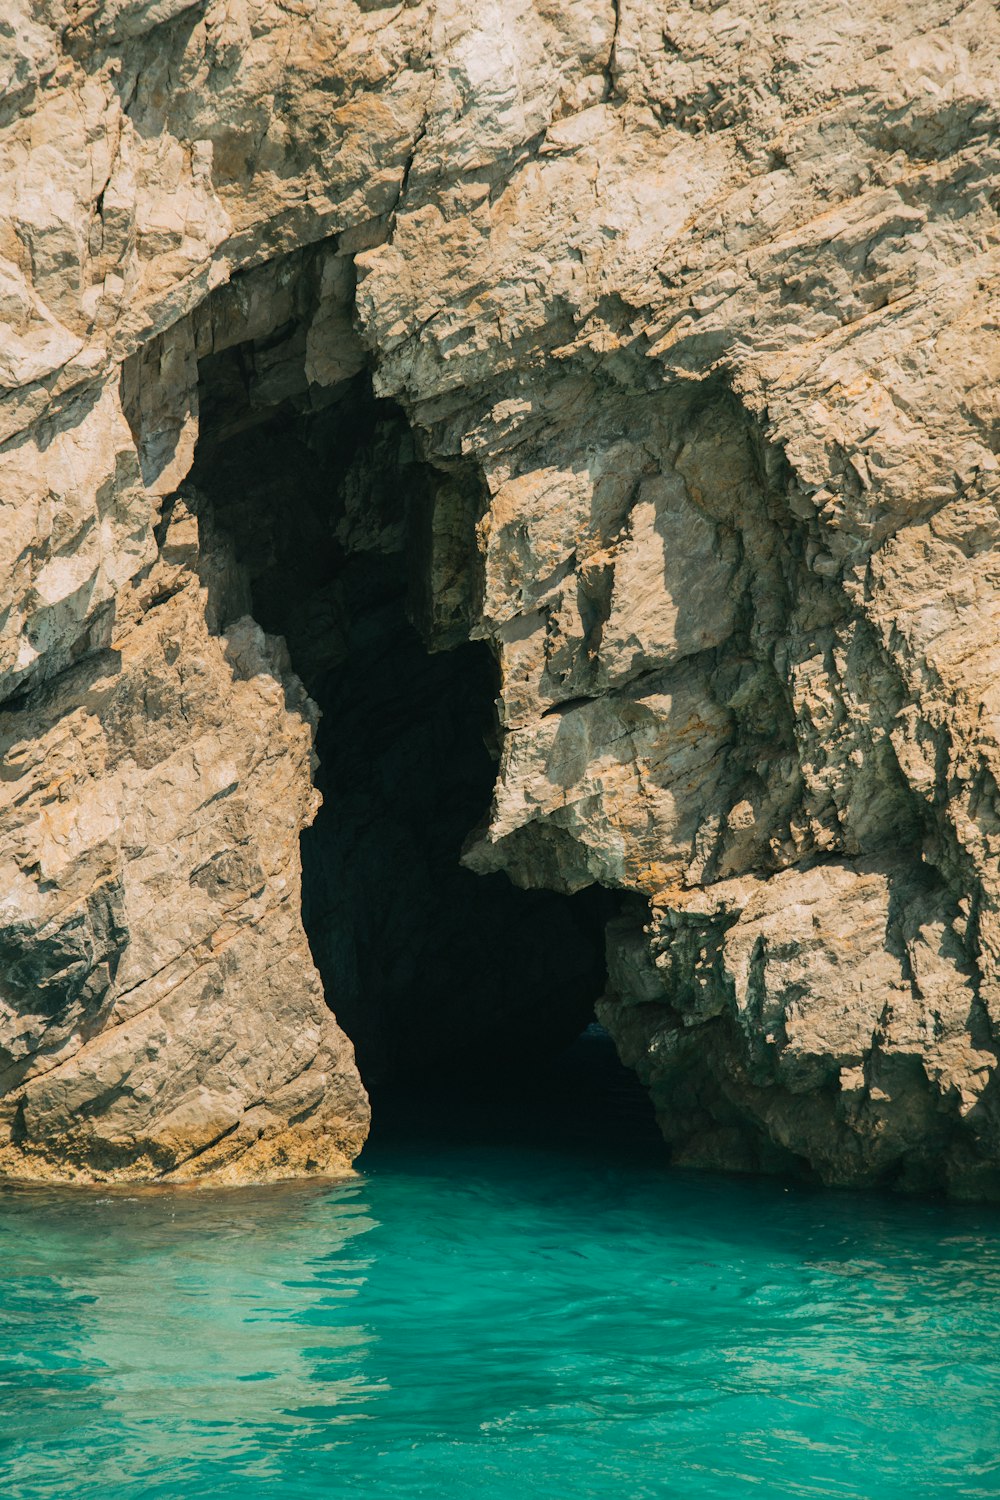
497 1322
189 1330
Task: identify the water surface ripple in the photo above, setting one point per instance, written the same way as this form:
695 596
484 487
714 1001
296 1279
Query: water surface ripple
497 1322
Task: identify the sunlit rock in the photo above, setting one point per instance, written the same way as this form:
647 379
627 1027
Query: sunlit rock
688 320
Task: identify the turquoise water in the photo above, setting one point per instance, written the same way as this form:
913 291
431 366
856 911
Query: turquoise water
498 1322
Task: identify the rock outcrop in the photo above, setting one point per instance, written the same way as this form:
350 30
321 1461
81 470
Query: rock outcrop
692 314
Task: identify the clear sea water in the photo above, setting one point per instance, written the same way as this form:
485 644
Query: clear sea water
501 1320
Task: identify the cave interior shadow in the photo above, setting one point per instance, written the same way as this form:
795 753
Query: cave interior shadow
470 1001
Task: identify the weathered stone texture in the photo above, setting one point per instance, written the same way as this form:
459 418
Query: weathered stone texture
160 1012
704 298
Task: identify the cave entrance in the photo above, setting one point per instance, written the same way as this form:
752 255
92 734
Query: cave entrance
454 987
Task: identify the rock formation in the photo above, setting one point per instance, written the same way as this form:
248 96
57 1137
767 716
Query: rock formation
688 316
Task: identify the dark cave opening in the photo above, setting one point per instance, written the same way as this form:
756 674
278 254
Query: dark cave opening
429 967
461 992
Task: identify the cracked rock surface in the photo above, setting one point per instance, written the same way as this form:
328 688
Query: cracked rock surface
692 311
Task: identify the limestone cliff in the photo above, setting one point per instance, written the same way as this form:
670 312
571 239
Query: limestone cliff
691 311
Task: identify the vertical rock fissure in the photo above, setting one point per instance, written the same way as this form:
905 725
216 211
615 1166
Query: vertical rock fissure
438 975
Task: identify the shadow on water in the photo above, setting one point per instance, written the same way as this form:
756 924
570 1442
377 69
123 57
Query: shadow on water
582 1103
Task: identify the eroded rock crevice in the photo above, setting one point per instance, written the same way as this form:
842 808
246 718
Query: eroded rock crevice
331 517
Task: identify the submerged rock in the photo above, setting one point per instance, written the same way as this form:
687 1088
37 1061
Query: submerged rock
692 317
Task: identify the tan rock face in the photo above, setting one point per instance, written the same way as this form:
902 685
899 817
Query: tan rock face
695 315
161 1015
